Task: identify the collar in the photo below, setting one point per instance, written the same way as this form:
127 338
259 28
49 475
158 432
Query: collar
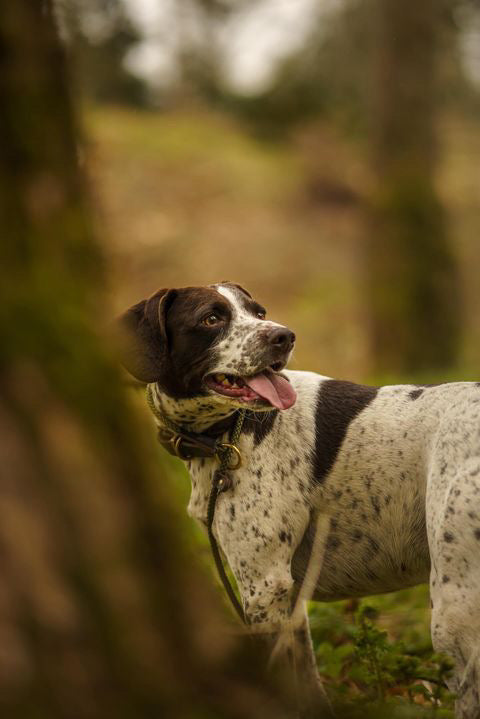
186 445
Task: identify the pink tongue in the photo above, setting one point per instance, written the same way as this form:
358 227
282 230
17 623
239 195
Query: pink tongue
274 388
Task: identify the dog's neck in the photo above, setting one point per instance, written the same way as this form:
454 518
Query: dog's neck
195 415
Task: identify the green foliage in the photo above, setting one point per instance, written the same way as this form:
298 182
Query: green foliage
366 669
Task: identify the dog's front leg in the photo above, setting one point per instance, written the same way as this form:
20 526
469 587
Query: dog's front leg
287 639
267 599
293 646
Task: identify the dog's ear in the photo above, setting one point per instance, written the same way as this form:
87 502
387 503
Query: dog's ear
144 340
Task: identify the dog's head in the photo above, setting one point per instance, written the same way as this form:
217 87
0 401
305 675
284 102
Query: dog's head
209 342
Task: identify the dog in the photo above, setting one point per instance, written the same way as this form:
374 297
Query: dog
393 471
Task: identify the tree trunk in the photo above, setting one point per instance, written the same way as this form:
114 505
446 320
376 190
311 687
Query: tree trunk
412 278
104 611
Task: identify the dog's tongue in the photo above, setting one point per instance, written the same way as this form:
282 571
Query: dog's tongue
274 388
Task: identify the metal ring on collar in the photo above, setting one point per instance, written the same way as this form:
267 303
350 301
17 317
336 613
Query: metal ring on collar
226 446
177 446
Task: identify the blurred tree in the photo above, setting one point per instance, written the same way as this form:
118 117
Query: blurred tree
99 35
103 609
325 77
330 74
199 49
413 288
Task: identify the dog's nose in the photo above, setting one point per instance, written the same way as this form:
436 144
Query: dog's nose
281 338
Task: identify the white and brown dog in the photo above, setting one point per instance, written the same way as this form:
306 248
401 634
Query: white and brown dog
395 470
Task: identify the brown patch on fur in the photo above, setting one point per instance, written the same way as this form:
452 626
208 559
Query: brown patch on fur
169 343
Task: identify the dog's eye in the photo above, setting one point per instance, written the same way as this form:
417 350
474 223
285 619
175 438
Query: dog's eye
261 314
211 320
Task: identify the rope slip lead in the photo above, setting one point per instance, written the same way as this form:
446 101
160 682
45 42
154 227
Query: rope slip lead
221 480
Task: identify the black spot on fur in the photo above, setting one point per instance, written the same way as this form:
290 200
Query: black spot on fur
260 424
375 504
415 393
445 579
294 462
374 546
477 533
333 543
338 403
448 537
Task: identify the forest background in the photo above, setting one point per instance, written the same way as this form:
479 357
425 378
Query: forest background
328 165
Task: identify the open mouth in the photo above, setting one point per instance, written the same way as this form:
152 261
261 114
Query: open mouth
267 386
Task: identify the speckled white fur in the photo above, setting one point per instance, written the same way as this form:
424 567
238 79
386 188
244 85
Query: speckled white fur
238 352
402 495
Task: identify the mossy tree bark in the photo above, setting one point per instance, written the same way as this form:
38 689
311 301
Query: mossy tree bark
412 279
104 611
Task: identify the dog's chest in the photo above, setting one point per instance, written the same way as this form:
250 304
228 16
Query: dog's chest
265 489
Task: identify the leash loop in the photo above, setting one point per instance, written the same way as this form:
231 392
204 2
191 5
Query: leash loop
225 446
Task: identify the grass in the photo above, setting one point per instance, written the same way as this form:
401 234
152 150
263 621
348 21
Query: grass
376 655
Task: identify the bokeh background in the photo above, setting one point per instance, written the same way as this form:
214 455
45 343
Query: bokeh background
322 154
